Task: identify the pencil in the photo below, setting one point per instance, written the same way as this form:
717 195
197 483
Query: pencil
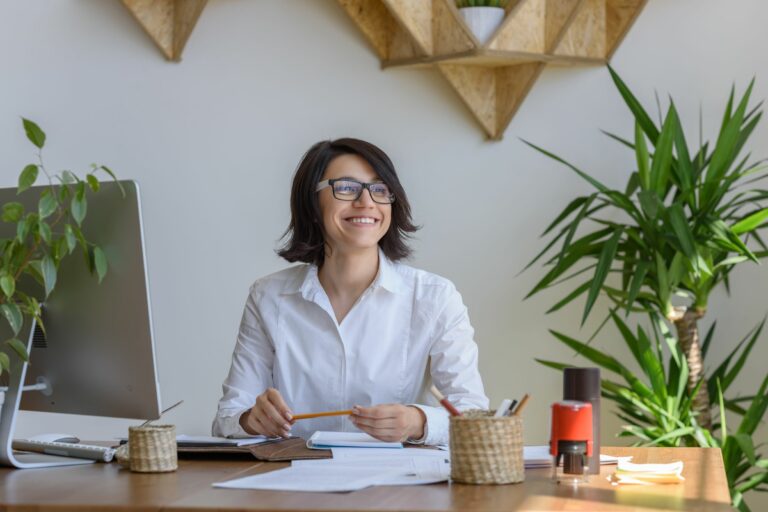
520 407
444 402
321 414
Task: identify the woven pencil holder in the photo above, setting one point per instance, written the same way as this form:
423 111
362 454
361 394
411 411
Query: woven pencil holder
486 450
151 449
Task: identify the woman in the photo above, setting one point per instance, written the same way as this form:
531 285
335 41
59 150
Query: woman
352 327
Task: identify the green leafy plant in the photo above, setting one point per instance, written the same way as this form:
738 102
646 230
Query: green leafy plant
689 218
43 238
683 222
481 3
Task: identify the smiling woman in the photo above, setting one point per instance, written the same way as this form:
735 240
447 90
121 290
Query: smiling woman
352 328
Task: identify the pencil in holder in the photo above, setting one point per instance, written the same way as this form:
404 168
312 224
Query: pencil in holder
151 449
486 450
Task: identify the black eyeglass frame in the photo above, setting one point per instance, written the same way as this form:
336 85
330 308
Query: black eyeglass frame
329 183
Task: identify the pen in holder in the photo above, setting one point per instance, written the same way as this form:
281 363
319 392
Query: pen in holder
485 449
150 449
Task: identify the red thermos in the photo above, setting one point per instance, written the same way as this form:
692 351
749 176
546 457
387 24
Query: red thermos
571 442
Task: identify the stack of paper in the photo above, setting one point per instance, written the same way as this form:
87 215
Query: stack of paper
647 474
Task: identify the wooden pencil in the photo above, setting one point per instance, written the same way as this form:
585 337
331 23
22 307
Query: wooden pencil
523 402
321 414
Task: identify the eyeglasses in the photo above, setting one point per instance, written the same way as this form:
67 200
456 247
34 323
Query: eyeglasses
347 189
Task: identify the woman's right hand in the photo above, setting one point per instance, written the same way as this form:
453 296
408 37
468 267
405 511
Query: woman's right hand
270 416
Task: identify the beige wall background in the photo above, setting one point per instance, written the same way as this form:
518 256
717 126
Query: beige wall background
214 141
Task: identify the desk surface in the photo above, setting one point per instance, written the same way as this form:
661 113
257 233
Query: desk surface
109 487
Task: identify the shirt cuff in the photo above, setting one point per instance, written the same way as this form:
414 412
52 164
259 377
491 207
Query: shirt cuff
435 428
229 426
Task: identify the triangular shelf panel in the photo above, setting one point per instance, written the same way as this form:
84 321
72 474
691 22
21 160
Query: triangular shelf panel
168 22
493 78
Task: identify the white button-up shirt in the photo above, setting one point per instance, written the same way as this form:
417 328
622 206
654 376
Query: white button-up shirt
409 329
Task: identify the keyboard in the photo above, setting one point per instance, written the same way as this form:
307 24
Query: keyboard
80 451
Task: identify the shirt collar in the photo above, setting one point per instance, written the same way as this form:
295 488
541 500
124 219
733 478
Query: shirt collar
387 277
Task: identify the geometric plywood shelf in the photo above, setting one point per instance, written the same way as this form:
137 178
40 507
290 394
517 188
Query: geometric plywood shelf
493 78
168 22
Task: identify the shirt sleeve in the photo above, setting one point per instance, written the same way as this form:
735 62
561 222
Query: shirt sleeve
249 375
453 366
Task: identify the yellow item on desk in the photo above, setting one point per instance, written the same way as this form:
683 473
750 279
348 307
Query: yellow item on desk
647 474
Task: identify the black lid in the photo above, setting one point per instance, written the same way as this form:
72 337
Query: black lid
581 384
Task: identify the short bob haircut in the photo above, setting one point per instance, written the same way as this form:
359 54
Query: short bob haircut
306 241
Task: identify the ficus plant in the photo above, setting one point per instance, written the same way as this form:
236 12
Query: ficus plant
43 238
683 222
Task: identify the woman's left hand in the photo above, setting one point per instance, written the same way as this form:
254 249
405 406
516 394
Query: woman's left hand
390 422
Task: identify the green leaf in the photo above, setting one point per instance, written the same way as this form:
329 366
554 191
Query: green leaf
662 157
637 110
27 177
93 182
601 272
751 222
679 223
12 212
47 204
69 236
573 205
19 348
650 203
641 153
45 232
100 262
48 270
8 284
570 297
599 186
5 362
35 135
747 446
112 175
79 204
12 314
597 357
68 177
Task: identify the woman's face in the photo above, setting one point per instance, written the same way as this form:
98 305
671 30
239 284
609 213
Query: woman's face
353 225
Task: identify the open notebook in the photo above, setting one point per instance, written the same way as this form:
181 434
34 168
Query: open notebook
322 440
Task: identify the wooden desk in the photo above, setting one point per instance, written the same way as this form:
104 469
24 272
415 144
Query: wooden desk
109 487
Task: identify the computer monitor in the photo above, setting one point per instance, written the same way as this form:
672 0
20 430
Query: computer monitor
98 352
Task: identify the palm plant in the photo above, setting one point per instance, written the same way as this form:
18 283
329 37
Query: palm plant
686 222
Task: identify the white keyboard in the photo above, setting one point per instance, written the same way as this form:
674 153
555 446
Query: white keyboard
80 451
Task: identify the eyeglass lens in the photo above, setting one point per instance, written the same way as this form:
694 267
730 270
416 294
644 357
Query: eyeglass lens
351 191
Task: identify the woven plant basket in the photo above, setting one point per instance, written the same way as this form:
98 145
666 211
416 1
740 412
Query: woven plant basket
486 450
151 449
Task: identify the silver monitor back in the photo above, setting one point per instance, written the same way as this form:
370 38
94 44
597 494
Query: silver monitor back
98 354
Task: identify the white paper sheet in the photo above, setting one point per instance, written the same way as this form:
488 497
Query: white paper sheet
313 479
408 470
539 457
363 453
323 440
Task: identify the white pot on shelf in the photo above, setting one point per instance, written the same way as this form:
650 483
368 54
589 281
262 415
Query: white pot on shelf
482 21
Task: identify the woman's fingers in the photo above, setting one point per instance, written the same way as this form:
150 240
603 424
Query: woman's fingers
276 399
271 418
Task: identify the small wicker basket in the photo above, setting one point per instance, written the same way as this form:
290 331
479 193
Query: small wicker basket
150 449
486 450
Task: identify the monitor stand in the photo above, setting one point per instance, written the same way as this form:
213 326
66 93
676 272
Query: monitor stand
9 410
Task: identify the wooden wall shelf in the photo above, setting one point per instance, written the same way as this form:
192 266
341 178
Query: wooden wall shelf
493 79
168 23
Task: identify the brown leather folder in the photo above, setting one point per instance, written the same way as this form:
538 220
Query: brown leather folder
294 448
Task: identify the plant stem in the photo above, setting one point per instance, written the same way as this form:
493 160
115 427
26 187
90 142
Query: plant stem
686 323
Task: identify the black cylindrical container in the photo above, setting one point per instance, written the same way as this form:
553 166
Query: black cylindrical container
583 384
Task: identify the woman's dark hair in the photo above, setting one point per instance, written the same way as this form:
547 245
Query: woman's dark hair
306 242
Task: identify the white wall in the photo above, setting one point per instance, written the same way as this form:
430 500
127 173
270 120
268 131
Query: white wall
215 139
